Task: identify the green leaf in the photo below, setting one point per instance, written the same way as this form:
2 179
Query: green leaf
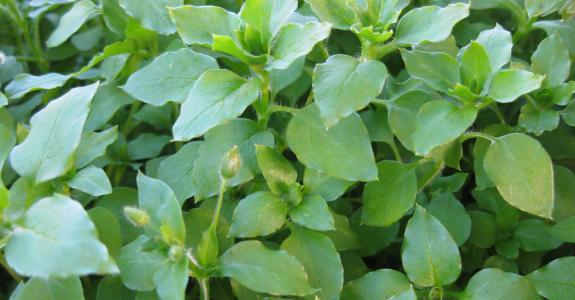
563 28
108 229
176 171
313 213
508 85
386 12
552 60
197 24
564 206
388 199
451 213
320 259
26 83
377 125
534 236
93 145
57 238
114 15
523 173
342 237
258 214
382 284
3 100
335 12
217 96
107 101
439 70
169 77
147 145
49 289
172 278
343 85
111 287
328 150
277 170
71 21
475 68
138 265
536 120
402 115
267 17
91 180
231 46
440 122
498 44
295 41
483 231
265 271
218 141
430 256
498 285
555 280
429 23
152 14
318 183
158 200
48 150
564 230
537 8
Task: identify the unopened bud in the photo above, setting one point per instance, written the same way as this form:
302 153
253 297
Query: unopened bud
136 216
231 163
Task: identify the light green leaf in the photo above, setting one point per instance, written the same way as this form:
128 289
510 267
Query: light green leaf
342 237
343 85
93 145
71 21
230 46
335 12
430 256
377 125
265 271
218 141
91 180
523 173
49 289
277 170
451 213
3 100
329 150
152 14
429 23
23 84
440 122
536 120
158 200
563 28
564 230
537 8
498 44
111 287
475 68
320 259
114 15
508 85
176 171
552 60
313 213
172 278
107 101
267 17
318 183
564 206
169 77
57 238
494 284
48 150
147 145
383 284
217 96
555 280
386 11
483 231
439 70
386 200
294 41
138 265
197 24
258 214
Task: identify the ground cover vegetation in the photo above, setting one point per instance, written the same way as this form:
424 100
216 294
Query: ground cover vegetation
284 149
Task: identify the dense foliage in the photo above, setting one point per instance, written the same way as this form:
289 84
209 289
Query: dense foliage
266 149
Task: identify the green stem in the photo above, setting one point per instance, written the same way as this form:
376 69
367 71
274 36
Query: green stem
205 285
471 135
498 113
216 218
9 270
395 150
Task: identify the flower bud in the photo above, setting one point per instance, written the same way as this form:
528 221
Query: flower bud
231 163
136 216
